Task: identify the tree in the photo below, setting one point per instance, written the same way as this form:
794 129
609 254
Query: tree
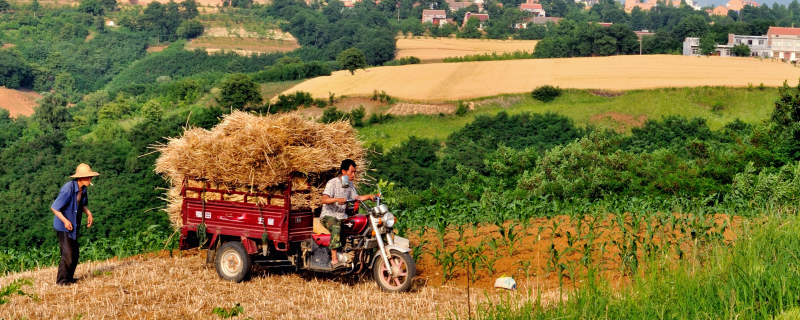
52 112
14 72
34 6
471 29
238 91
92 7
190 29
4 6
707 46
351 60
741 50
99 24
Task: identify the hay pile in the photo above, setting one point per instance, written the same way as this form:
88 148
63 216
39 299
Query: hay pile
254 153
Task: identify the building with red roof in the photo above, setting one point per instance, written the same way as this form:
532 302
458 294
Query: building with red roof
784 42
534 8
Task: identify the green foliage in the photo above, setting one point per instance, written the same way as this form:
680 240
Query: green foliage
190 29
576 39
516 55
403 61
470 31
707 46
93 7
239 91
15 287
4 6
14 72
178 63
292 71
546 93
412 165
228 313
741 50
160 20
153 111
291 102
669 132
351 60
355 116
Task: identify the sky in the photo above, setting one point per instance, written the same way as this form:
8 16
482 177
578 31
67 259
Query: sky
723 2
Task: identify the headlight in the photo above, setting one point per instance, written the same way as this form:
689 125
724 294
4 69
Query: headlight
389 220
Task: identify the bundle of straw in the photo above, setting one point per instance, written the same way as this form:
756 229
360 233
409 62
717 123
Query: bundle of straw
252 153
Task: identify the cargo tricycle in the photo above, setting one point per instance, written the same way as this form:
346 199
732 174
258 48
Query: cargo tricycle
240 229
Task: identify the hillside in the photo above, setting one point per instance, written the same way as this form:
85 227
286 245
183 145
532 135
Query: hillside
18 102
454 81
616 110
427 48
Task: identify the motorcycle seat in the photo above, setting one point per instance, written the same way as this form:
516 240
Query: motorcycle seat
319 228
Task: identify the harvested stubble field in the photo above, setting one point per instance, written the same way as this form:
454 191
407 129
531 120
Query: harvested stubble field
439 48
18 102
184 287
469 80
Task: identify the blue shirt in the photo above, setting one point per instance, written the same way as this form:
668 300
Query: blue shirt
67 204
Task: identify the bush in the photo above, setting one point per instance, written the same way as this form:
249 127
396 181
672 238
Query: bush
291 101
462 109
546 93
379 118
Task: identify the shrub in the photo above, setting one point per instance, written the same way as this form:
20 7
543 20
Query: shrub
291 101
546 93
462 109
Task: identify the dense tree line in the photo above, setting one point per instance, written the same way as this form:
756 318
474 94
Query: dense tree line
534 155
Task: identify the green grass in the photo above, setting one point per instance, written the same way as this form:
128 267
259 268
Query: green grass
751 106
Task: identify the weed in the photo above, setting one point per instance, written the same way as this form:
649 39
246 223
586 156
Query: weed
228 313
15 287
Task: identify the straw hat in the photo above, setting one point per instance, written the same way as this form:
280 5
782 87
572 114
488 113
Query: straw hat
84 171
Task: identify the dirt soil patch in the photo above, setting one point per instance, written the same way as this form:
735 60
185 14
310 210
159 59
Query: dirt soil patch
606 93
619 121
532 264
18 102
347 105
8 46
156 48
405 109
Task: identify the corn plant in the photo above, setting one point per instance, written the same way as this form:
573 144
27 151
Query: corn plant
447 261
472 257
15 287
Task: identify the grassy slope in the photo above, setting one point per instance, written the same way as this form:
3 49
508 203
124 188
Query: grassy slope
748 105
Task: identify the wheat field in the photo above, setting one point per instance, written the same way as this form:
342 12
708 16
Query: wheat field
468 80
439 48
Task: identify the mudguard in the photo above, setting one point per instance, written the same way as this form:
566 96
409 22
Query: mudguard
388 248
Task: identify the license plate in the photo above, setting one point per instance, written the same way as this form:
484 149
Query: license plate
403 242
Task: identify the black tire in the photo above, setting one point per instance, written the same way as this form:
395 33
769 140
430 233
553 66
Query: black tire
232 262
402 283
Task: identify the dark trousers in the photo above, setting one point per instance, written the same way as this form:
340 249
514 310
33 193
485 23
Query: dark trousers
69 258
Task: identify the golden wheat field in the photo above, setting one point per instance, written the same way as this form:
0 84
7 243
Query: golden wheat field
439 48
185 288
468 80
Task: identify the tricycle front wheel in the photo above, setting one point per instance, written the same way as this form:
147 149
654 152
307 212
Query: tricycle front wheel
403 272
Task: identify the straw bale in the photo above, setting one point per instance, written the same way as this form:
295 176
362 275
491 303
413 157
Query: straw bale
252 153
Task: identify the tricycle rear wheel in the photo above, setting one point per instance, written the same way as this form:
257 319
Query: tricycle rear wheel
232 262
403 272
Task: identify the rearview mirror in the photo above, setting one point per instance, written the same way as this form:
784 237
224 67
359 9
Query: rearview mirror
345 182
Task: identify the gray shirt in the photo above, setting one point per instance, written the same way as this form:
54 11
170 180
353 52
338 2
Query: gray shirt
334 189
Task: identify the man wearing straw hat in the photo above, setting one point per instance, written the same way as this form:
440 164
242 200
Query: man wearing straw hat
334 199
69 205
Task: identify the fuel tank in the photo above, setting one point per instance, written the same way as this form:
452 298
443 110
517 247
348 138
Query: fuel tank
355 224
